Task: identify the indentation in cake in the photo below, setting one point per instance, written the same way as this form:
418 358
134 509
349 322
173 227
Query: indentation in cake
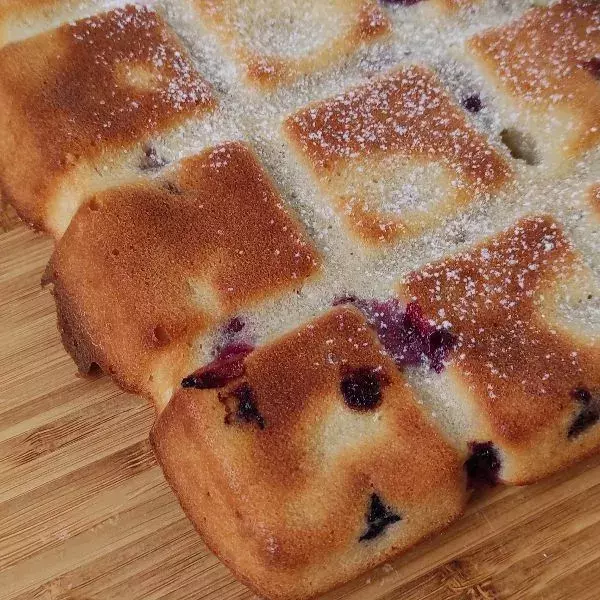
589 411
95 204
409 338
379 517
160 335
361 388
520 145
241 406
227 366
152 160
483 466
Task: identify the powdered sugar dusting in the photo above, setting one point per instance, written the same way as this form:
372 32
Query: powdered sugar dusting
385 145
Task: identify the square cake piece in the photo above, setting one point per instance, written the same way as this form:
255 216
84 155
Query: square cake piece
524 312
396 156
545 70
313 465
145 269
76 103
277 41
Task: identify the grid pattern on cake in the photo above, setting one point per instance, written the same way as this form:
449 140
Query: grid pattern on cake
292 225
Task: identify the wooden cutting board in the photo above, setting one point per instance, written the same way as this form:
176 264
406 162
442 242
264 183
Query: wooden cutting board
86 515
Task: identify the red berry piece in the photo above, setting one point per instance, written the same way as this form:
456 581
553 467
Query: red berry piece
228 366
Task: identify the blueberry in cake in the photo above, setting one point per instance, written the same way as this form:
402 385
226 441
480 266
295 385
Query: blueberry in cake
350 250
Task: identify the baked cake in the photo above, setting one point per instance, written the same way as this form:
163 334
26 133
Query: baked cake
349 250
342 450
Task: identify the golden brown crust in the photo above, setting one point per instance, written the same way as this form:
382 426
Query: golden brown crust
144 269
284 505
406 116
365 23
519 359
92 89
542 63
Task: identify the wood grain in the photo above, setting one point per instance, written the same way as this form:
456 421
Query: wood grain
86 515
8 216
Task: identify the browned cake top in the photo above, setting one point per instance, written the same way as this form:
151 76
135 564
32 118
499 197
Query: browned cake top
514 353
274 43
99 85
290 433
146 267
407 113
408 116
549 61
109 79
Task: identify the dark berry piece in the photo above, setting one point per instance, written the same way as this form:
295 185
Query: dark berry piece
589 412
405 333
151 160
228 365
483 466
582 395
235 325
593 66
379 518
472 103
441 343
361 389
586 418
246 410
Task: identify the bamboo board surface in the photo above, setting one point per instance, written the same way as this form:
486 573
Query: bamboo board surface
86 515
